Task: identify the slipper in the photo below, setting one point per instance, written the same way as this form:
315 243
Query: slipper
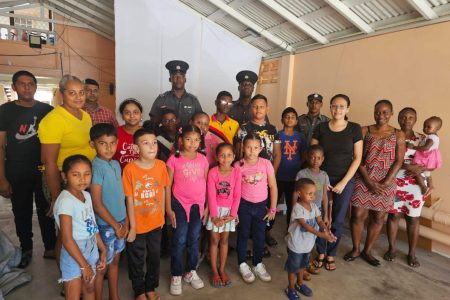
371 261
216 281
413 262
349 257
330 265
226 281
318 262
291 294
389 256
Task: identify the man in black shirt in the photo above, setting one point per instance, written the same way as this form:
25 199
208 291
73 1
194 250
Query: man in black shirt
20 156
183 103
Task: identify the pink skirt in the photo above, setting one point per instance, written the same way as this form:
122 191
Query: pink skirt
431 159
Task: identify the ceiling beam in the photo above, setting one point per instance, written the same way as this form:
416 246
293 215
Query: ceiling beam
103 6
20 7
41 19
345 11
91 11
249 23
424 9
65 15
295 21
100 26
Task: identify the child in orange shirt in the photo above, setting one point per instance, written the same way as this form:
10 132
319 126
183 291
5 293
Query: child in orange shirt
146 185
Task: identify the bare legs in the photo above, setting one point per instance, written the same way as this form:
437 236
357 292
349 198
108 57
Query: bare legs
412 230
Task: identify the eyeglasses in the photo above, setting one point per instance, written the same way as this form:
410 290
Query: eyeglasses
169 121
223 102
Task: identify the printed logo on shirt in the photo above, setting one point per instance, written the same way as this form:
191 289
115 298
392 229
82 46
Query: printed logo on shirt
289 149
146 195
91 226
193 171
128 153
253 178
310 222
26 131
224 188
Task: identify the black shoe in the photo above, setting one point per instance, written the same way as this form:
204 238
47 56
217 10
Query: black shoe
26 259
371 261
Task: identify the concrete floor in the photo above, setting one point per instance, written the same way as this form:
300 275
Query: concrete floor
355 280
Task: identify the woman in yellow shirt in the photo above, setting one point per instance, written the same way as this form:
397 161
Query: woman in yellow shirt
64 132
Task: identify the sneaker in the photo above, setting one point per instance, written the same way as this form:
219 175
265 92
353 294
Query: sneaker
292 294
246 273
175 286
304 289
195 281
261 272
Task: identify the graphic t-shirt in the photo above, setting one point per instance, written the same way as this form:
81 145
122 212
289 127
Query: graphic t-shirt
82 213
189 182
146 187
21 126
266 132
224 191
292 147
298 239
255 179
107 174
126 151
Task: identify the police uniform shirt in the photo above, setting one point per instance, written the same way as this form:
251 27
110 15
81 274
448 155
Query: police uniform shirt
307 124
185 107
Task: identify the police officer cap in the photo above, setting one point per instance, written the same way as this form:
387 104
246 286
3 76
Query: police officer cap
315 96
246 75
175 66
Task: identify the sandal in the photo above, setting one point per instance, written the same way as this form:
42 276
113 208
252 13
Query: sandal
318 262
349 256
226 281
313 270
330 265
389 256
413 262
216 281
371 261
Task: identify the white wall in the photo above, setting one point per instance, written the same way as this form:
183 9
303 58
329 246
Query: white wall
151 32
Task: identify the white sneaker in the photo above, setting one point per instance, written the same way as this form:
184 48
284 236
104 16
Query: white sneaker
195 281
176 287
261 272
246 273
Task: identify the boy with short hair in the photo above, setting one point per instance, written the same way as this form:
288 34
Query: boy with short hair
146 185
305 221
109 205
220 123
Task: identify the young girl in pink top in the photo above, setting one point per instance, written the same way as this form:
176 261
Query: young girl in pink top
224 195
257 177
188 171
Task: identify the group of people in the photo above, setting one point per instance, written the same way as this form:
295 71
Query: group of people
184 179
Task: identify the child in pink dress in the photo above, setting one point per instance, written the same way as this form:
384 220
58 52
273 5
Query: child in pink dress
428 155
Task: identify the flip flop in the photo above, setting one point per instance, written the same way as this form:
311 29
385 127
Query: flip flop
413 262
329 264
318 262
225 280
349 257
371 261
389 256
216 281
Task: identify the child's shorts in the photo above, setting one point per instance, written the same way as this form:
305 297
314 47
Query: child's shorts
113 244
222 212
70 269
296 261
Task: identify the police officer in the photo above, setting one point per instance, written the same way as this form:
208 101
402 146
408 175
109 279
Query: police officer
177 99
240 111
308 122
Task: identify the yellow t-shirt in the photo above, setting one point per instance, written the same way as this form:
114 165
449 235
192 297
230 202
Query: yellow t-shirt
61 127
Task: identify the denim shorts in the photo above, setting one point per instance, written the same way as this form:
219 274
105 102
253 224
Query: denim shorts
113 244
296 261
70 269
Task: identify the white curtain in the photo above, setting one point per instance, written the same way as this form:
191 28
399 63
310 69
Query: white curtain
151 32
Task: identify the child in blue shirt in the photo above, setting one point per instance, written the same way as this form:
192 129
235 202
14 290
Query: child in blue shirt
289 154
108 199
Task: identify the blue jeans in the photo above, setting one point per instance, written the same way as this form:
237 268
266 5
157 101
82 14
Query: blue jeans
186 235
251 221
113 244
339 210
70 269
